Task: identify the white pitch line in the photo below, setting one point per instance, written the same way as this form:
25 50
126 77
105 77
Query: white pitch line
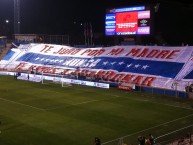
155 102
115 96
172 105
80 103
168 104
71 105
22 104
173 132
147 129
84 102
140 100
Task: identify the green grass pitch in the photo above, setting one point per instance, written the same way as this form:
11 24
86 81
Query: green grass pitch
37 114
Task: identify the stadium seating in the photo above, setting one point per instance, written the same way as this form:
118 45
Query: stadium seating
154 66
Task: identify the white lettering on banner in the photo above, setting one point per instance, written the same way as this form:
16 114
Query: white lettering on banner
80 63
74 62
94 63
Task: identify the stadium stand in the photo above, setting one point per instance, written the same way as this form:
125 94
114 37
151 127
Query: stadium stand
147 67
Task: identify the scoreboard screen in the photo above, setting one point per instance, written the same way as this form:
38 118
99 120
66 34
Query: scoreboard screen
128 21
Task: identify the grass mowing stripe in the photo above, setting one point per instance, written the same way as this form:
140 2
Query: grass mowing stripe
135 99
118 96
93 100
158 103
22 104
172 105
55 107
147 129
129 113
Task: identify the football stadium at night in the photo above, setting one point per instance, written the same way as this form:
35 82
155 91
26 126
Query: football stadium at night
96 73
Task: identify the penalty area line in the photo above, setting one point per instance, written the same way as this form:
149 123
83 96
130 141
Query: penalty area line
71 105
81 103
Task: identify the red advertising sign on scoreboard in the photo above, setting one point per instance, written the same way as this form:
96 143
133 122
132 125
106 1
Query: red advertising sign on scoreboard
127 22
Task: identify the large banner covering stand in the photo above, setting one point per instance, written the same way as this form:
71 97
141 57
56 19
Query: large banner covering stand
156 66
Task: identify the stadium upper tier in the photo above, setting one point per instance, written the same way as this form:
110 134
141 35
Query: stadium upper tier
156 66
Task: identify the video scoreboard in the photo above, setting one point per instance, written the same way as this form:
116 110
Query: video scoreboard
128 21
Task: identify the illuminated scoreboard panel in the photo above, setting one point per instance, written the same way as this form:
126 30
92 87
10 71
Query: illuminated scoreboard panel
128 21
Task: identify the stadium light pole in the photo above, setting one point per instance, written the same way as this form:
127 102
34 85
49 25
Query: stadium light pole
16 16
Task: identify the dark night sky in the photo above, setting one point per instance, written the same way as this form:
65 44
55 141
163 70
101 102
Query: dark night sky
173 21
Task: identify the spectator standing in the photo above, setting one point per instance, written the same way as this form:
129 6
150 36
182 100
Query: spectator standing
97 141
141 140
151 139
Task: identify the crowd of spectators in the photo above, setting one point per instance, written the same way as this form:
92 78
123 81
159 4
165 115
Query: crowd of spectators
142 140
146 141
